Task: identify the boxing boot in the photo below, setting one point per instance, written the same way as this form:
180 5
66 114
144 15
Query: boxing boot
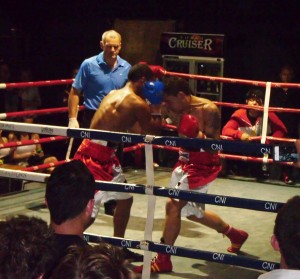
237 238
161 263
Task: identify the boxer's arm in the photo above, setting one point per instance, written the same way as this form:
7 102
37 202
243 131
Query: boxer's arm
149 121
212 122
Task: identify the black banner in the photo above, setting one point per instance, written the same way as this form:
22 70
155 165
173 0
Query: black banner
192 44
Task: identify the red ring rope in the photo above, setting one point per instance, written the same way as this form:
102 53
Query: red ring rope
236 105
45 166
256 138
163 72
35 112
35 83
232 80
31 142
222 155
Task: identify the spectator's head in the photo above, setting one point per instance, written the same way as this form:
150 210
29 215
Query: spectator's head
26 248
255 97
4 72
70 193
102 261
26 75
286 74
286 238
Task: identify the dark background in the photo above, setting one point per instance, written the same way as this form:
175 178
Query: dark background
54 37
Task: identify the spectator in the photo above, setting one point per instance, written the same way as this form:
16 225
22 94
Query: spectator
31 155
247 123
68 88
26 248
5 153
10 99
286 240
102 261
70 200
287 98
30 96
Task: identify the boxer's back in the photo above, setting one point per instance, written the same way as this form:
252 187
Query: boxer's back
117 111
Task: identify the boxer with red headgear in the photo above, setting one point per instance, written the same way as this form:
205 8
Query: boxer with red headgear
196 169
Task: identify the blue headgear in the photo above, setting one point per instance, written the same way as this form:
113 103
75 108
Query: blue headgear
153 92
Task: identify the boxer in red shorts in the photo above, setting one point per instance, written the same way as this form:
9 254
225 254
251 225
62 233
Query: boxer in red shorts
119 111
196 169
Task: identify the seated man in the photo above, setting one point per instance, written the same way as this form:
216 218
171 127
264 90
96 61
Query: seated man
286 240
98 262
31 155
70 200
5 153
246 123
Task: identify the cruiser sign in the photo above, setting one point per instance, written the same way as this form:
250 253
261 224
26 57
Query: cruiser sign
190 44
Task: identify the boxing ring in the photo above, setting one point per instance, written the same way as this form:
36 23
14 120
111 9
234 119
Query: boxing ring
252 151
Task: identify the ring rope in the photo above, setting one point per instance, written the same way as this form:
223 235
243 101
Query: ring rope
31 142
218 257
164 72
220 200
207 144
221 155
234 80
35 83
167 249
45 166
35 112
255 138
261 108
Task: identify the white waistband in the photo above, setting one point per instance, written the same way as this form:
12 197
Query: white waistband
102 142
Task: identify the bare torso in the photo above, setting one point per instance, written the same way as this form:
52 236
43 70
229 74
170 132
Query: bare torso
207 114
120 110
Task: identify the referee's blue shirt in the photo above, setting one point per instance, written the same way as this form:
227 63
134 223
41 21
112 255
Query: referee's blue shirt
96 79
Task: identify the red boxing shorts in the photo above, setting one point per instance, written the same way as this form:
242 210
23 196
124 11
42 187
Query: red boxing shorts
100 160
201 168
104 165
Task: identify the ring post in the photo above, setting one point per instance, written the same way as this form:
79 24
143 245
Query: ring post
151 208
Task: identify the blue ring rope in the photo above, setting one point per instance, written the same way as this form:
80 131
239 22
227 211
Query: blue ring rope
220 200
185 252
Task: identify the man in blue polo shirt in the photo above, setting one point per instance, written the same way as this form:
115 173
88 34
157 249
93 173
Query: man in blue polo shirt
97 76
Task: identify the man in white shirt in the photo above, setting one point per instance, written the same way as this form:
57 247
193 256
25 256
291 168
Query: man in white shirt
286 240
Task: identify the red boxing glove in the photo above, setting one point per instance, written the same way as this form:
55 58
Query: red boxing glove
188 126
158 71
